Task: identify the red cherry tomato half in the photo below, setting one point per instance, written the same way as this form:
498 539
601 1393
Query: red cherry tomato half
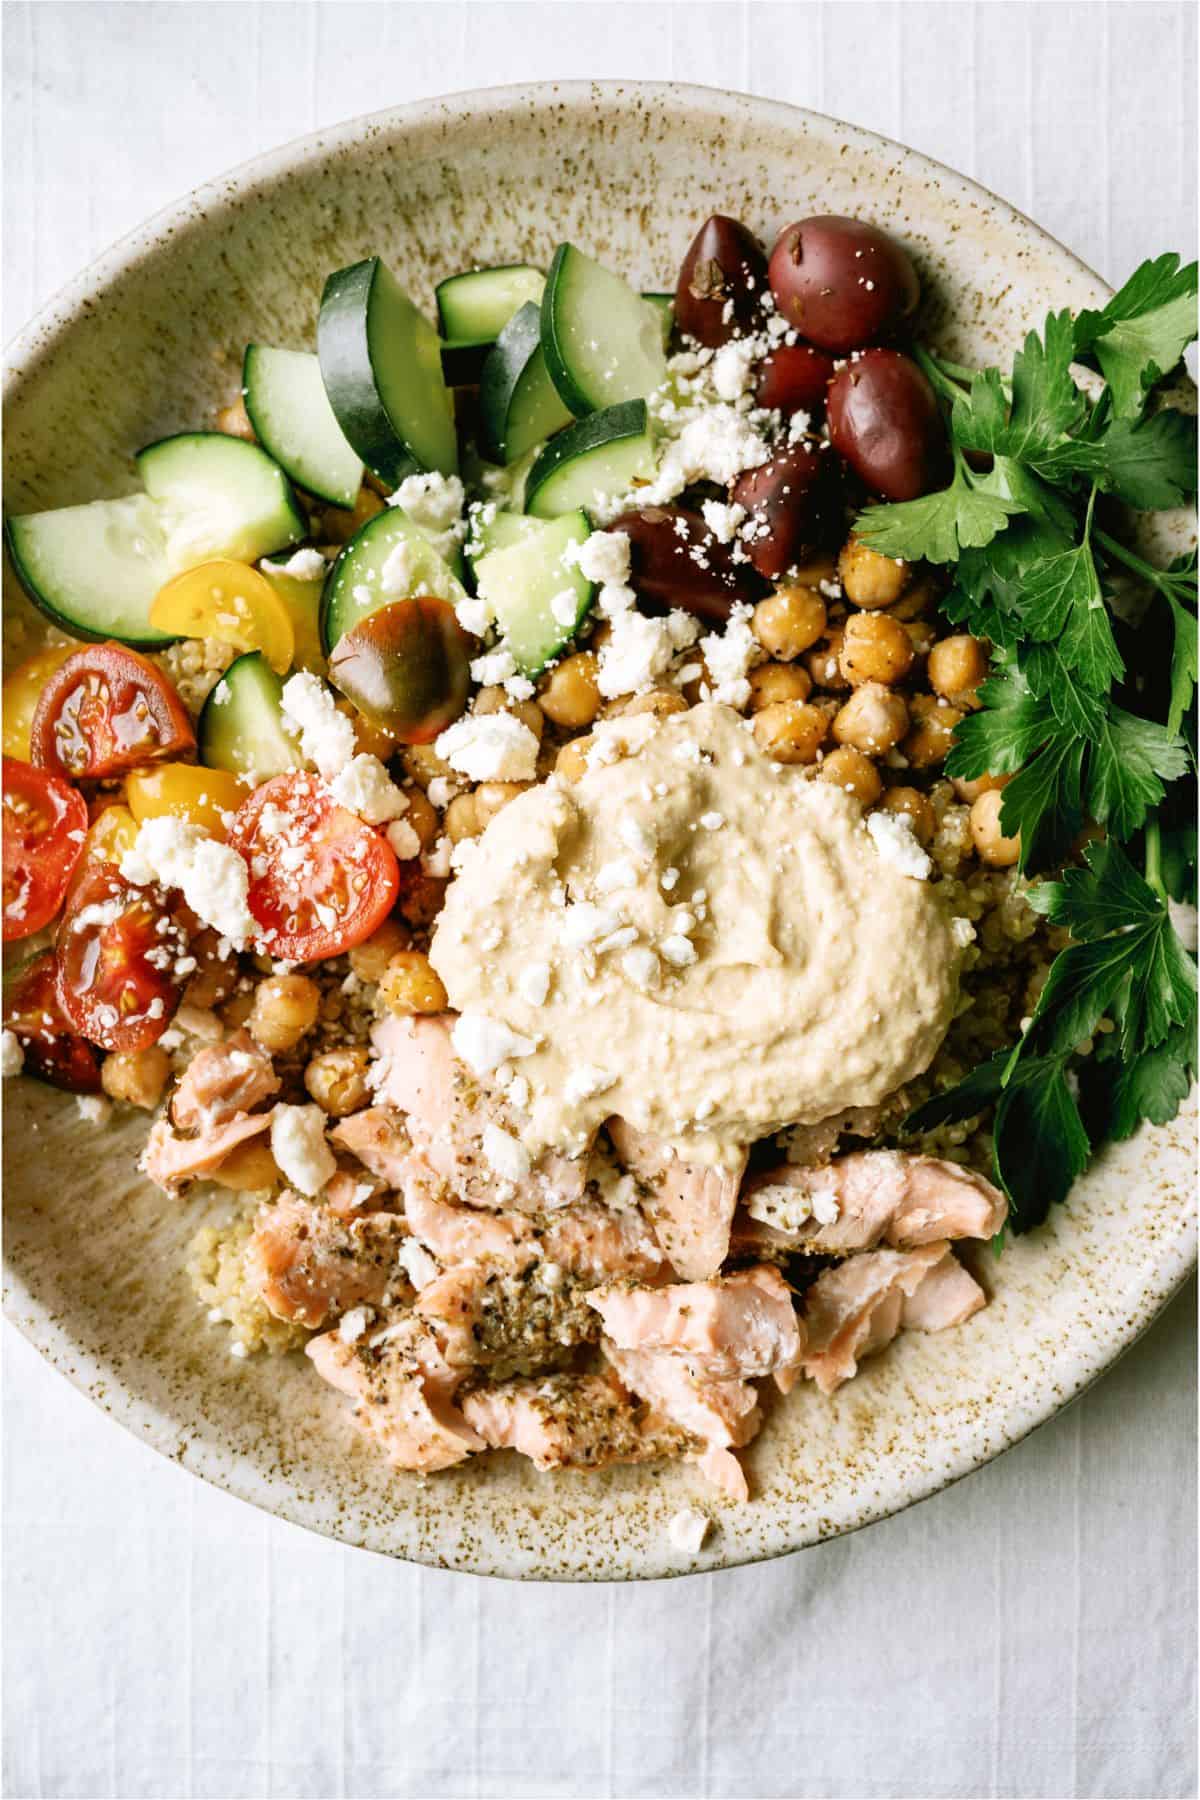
105 710
53 1052
45 823
122 960
320 880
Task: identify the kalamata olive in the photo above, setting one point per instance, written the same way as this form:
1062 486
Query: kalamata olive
405 667
841 282
721 282
796 502
793 379
884 419
675 560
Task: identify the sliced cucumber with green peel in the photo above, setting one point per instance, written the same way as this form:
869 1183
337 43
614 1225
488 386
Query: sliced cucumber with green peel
664 306
389 558
539 599
241 724
603 342
593 460
219 496
475 307
95 569
381 363
294 422
519 405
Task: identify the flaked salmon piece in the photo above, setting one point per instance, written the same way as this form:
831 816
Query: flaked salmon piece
867 1198
599 1244
403 1392
448 1113
734 1327
221 1081
578 1421
169 1159
461 1233
310 1263
855 1309
811 1144
350 1196
376 1135
722 1468
506 1320
714 1411
689 1205
949 1295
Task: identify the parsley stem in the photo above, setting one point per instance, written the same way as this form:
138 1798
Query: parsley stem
1123 555
956 371
936 372
1152 865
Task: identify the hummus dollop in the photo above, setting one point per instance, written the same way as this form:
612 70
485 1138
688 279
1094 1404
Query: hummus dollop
696 938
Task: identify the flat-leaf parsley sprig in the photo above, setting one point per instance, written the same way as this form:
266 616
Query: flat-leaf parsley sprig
1093 721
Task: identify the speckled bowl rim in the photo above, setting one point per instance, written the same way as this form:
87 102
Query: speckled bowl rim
234 1471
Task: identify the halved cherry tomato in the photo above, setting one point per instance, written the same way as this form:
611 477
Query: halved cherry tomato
106 710
45 823
122 960
320 880
53 1052
204 797
228 601
22 691
113 831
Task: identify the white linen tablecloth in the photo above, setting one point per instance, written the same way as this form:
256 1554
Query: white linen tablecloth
1030 1632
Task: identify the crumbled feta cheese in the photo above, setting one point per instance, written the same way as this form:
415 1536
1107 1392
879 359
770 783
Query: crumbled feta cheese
436 862
353 1324
212 877
400 573
687 1530
612 876
640 966
638 650
326 735
679 951
473 615
615 599
585 1082
299 1147
12 1057
1182 915
723 520
730 655
517 1093
564 607
505 1154
435 502
892 836
301 565
519 687
962 931
483 1043
602 558
582 924
799 427
493 668
94 1109
490 747
404 842
712 821
789 1208
365 787
420 1267
718 445
533 983
733 368
441 791
638 838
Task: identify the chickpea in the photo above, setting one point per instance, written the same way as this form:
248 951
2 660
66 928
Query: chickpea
247 1169
922 635
873 720
462 818
853 772
494 700
789 622
931 737
915 602
237 1009
823 662
875 648
337 1080
422 763
422 816
662 702
993 847
491 797
571 762
411 984
369 739
791 731
915 807
569 695
869 579
285 1009
969 791
820 567
137 1077
234 420
775 681
369 959
956 666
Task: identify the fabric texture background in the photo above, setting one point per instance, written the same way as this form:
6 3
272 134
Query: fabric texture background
1029 1632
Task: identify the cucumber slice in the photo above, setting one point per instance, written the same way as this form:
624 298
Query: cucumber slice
519 405
592 460
302 597
382 368
294 422
664 305
220 496
522 577
360 581
474 308
602 342
95 569
240 727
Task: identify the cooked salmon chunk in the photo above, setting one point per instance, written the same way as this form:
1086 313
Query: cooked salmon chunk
460 1233
734 1327
221 1081
506 1320
403 1392
857 1308
870 1197
376 1135
581 1421
310 1262
169 1159
689 1205
949 1295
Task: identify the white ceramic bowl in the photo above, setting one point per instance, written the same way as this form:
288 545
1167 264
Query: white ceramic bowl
149 341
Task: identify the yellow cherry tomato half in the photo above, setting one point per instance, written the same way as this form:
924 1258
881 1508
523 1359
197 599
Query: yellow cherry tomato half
204 797
21 693
303 602
110 835
231 602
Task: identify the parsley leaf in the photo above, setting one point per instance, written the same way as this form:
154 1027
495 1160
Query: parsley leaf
1154 1085
938 526
1011 724
973 1094
1143 331
1185 661
1049 677
1044 802
1040 1145
1127 765
1046 404
1147 463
